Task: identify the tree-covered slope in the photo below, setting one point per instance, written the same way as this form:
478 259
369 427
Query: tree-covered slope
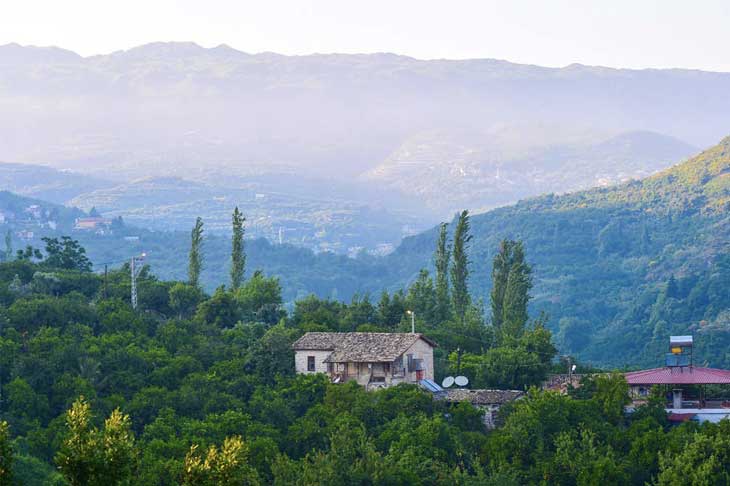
604 261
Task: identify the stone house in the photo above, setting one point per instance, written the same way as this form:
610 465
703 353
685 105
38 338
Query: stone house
373 359
489 401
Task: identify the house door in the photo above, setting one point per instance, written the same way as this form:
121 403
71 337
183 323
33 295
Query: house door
419 375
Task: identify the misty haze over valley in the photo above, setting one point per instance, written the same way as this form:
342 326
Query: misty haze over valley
332 152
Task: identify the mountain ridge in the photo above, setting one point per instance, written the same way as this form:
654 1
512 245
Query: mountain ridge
194 47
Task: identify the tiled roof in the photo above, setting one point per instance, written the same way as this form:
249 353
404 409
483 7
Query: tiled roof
482 397
321 341
359 347
691 375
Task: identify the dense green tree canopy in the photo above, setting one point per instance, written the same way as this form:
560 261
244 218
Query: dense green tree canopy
200 389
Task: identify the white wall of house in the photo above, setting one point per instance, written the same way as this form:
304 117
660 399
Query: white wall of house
301 357
420 350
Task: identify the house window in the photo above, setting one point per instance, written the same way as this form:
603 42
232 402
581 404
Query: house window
310 363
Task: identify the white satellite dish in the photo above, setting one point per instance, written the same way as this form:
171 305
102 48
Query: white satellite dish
448 381
461 380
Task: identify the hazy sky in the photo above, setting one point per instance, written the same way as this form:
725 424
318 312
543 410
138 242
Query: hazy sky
622 33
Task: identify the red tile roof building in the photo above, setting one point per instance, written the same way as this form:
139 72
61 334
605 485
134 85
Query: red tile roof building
690 375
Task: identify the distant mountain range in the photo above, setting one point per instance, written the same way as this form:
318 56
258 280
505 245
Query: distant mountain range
471 133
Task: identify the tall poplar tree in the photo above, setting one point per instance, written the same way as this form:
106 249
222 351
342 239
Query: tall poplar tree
460 267
238 255
8 246
501 265
511 284
195 260
443 253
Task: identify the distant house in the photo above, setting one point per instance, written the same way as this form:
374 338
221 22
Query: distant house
683 385
92 224
25 235
489 401
35 211
373 359
6 216
562 382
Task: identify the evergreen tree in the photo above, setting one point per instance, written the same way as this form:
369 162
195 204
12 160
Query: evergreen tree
443 253
238 255
195 260
460 267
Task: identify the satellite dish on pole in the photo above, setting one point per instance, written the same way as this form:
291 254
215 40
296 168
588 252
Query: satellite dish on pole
448 381
461 380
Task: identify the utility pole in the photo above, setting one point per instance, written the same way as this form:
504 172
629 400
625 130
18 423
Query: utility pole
134 270
106 278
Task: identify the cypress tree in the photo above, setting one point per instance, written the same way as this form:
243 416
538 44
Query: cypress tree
460 267
195 260
238 255
443 253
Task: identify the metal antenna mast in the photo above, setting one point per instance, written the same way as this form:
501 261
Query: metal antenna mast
134 270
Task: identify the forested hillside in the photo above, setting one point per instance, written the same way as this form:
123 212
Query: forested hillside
616 269
619 269
199 390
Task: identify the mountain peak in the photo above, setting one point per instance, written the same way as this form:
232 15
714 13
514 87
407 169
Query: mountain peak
15 53
169 51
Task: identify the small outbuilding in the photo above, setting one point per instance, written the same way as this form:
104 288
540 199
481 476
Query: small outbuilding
489 401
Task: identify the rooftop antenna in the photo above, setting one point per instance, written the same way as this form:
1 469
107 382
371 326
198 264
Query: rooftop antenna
448 382
134 271
461 381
